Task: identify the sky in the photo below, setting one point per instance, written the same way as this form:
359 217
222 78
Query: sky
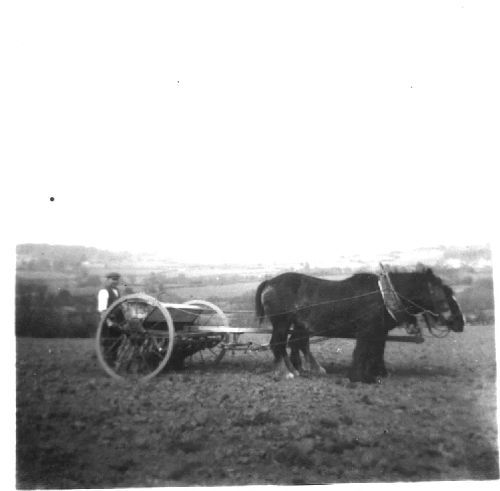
251 131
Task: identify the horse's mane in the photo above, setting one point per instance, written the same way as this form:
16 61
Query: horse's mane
418 271
448 290
362 275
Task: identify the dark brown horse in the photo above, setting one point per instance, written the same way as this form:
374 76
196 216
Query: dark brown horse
353 307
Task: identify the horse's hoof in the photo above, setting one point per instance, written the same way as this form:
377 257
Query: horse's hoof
321 371
354 377
380 372
280 376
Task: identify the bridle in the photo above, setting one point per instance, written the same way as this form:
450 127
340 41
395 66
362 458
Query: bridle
395 305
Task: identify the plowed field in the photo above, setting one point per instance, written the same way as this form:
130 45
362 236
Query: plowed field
433 418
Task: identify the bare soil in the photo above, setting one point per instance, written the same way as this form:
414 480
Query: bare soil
433 418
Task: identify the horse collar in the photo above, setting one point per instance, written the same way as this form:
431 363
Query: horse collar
392 301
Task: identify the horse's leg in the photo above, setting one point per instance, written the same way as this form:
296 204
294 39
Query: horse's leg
299 340
282 363
304 347
368 356
362 360
274 342
294 344
313 363
377 347
358 357
371 360
379 369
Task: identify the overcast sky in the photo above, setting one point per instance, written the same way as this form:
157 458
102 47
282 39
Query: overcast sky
252 131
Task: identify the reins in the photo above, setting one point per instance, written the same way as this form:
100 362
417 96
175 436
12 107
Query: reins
297 309
386 289
423 310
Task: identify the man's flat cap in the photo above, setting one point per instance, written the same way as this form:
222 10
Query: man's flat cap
113 276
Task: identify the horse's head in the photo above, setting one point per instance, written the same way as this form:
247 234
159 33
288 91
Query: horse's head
444 306
456 321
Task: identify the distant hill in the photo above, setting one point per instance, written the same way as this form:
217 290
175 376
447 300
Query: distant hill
70 255
476 257
62 258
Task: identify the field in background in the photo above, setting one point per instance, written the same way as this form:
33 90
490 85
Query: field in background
212 291
57 304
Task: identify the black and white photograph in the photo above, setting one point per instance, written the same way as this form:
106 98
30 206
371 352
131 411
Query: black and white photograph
250 243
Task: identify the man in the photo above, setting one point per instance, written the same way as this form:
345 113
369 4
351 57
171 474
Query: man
109 293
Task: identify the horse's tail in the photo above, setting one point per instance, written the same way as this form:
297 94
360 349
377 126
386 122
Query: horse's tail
259 308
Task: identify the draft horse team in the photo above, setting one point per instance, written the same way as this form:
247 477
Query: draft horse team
299 306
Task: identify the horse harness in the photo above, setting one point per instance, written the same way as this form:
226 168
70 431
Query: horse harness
392 300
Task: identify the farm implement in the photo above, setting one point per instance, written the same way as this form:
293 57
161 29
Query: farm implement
139 336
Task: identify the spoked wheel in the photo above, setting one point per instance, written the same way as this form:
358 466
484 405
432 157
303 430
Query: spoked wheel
135 338
208 347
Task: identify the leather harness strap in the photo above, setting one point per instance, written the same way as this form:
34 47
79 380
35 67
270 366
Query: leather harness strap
392 301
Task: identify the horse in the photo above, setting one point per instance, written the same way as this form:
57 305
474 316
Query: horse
353 307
